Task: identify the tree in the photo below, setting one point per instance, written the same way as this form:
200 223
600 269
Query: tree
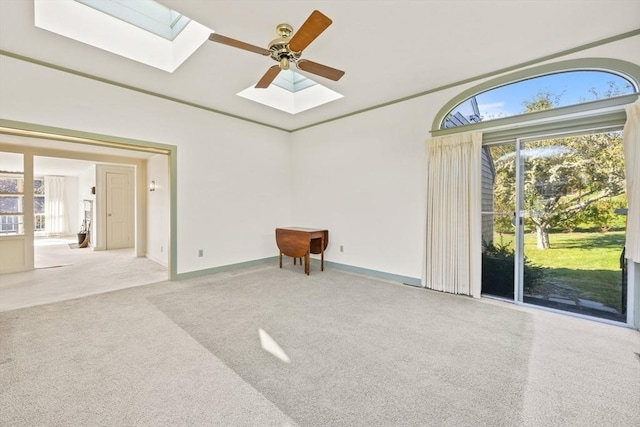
602 213
561 187
562 176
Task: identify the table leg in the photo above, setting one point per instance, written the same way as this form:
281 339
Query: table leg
307 267
280 259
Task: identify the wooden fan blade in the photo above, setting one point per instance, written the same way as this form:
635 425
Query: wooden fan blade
315 24
319 69
215 37
268 77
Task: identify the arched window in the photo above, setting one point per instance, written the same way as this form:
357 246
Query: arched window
566 88
538 93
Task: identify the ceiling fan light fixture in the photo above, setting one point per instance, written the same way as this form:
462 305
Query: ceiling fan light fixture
284 63
284 30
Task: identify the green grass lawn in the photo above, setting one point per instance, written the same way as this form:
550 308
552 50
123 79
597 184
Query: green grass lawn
586 262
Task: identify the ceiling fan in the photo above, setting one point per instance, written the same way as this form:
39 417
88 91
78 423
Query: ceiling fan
286 49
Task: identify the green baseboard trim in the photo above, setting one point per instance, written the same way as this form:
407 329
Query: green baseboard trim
412 281
198 273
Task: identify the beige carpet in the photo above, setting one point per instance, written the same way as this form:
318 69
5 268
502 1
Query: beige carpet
63 273
264 346
361 352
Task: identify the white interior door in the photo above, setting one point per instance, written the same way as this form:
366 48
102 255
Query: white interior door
119 206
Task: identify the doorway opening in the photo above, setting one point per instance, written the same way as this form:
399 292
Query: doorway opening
63 270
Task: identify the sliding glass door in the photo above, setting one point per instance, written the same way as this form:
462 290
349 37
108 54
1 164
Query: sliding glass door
556 226
573 195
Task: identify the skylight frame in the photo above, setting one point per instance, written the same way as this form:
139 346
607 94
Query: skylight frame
85 24
289 101
145 14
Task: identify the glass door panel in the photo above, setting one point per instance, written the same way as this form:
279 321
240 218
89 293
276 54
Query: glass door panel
572 239
498 226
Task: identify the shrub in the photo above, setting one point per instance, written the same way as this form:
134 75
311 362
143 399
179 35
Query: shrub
498 270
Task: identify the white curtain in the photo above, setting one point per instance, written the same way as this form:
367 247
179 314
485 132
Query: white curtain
454 228
55 216
631 141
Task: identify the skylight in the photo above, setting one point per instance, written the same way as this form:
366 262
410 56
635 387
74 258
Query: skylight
145 14
292 81
141 30
291 92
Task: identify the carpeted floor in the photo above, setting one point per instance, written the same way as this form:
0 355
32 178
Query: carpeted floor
62 273
264 346
362 352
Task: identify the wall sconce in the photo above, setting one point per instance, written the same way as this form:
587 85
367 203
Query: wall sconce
152 186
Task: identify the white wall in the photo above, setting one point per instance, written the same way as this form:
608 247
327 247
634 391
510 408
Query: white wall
362 178
158 210
233 176
233 191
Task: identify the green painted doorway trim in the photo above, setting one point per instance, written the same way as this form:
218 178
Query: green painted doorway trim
10 127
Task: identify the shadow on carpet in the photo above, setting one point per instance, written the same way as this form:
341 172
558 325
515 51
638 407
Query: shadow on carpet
339 349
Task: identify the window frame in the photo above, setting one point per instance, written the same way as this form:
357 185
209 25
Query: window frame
19 215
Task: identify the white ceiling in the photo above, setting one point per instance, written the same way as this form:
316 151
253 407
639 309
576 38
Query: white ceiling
62 167
389 49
